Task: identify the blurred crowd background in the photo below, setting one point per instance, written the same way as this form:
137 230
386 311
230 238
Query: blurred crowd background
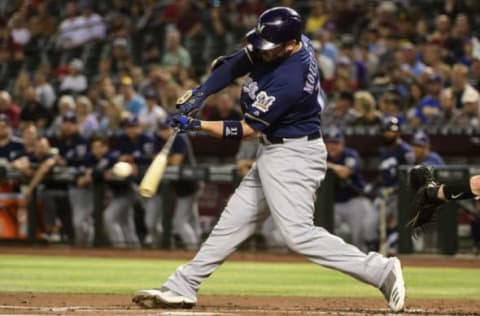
100 64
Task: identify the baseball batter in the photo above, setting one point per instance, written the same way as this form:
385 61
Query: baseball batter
281 100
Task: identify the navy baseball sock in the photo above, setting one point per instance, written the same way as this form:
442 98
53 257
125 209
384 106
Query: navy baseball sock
458 191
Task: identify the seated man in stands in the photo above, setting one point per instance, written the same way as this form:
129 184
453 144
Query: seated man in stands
10 148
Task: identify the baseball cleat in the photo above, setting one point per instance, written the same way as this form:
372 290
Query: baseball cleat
393 288
162 298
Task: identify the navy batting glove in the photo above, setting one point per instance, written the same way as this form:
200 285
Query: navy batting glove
185 123
191 101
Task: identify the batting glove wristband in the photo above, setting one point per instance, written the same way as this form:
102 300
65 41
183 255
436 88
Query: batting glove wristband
191 101
185 123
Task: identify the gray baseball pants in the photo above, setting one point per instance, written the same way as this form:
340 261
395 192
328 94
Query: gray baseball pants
284 180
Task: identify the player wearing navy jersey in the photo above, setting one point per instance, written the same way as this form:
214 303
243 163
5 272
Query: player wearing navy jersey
135 147
281 101
421 149
185 221
10 148
351 207
396 152
73 149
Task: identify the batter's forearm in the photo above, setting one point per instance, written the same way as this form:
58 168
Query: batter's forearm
215 129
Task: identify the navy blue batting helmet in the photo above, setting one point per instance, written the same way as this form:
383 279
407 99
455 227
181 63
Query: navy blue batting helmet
275 26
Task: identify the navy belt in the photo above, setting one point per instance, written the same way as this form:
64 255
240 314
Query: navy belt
267 140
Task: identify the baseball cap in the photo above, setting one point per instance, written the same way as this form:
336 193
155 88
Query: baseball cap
131 121
391 123
334 135
421 139
69 117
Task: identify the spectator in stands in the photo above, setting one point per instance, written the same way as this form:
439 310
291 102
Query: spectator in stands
442 30
32 111
18 30
410 59
71 33
22 82
44 90
75 82
317 18
153 113
421 149
65 104
429 106
42 24
110 123
217 27
433 57
224 108
10 148
460 84
341 112
30 138
469 114
118 57
87 120
390 106
351 206
91 23
175 56
365 110
448 111
132 101
10 109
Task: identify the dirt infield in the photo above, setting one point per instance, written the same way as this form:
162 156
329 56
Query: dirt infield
89 305
62 304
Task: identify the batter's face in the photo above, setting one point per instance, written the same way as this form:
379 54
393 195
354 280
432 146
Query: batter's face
277 54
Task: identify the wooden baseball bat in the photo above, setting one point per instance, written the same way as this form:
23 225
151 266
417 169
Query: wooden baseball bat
153 175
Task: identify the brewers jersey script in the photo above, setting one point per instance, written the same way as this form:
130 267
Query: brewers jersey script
286 100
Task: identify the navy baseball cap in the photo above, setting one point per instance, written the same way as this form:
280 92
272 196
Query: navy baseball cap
69 117
131 121
420 139
391 123
334 135
435 78
150 94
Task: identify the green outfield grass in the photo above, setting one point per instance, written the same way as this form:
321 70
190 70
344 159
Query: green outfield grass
124 276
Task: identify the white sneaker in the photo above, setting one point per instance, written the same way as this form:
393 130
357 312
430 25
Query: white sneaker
393 288
162 298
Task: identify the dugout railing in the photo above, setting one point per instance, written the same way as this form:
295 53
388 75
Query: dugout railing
446 225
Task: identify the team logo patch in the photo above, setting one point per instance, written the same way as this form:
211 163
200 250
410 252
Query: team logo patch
263 102
250 87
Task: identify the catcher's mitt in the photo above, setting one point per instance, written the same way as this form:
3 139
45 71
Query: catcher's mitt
425 201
